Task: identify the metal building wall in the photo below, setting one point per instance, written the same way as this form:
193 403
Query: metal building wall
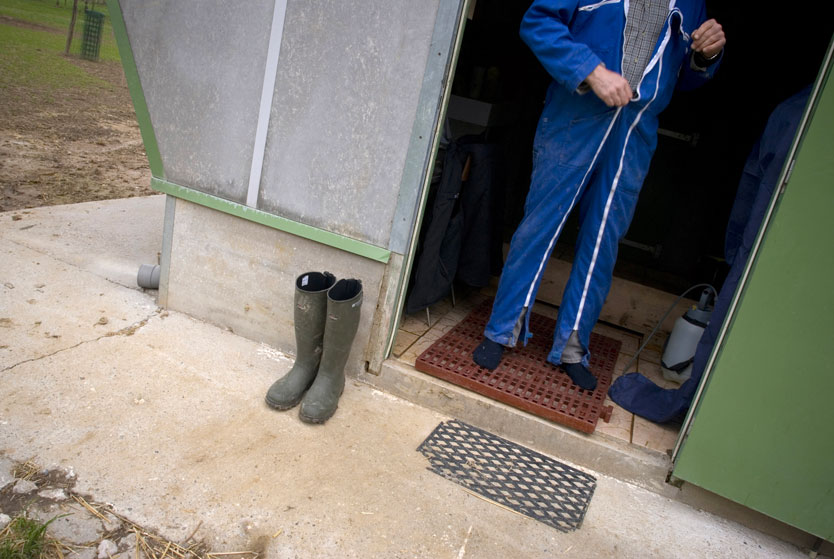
312 121
201 66
345 99
338 118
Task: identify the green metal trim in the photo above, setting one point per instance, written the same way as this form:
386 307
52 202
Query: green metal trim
143 116
270 220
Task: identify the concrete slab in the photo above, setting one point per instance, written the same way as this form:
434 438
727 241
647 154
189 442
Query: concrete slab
6 476
109 239
58 304
166 421
172 430
596 452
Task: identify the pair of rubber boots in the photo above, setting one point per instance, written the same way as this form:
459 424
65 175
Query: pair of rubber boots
326 319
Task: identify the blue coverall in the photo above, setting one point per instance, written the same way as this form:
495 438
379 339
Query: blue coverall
585 150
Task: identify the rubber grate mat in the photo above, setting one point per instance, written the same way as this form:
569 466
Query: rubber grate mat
525 379
511 475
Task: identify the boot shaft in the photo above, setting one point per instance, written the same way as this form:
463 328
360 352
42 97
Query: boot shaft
344 303
311 310
310 314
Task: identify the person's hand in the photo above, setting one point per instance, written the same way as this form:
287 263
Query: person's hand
708 39
609 86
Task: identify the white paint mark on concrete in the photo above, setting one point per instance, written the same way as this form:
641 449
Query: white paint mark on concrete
462 550
107 549
23 486
273 354
53 494
391 397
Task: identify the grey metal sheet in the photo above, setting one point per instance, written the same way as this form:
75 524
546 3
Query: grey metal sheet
201 64
422 133
349 79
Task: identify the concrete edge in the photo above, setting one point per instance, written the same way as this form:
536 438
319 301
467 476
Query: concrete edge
383 329
647 469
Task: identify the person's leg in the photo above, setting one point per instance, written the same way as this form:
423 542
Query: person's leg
532 242
563 163
611 198
572 355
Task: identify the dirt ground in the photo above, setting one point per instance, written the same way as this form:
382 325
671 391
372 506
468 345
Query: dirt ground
73 146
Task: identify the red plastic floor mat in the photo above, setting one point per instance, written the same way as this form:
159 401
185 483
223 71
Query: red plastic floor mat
525 379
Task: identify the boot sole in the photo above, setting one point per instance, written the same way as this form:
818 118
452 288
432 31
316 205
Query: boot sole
315 420
282 407
319 421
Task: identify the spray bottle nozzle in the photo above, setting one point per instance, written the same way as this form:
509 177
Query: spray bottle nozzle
705 303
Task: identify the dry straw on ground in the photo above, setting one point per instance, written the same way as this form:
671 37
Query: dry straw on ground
148 545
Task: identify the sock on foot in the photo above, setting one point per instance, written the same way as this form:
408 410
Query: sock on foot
581 376
488 354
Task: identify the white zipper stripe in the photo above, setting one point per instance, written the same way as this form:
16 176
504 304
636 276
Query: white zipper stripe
614 185
591 7
565 216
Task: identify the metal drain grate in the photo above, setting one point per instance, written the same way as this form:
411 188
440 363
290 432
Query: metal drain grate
511 475
525 379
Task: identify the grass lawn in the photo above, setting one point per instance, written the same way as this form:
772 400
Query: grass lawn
33 36
25 538
34 60
56 15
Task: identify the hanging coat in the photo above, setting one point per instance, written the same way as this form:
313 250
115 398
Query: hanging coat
437 259
461 236
481 198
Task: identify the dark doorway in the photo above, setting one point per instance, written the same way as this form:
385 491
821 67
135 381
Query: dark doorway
677 236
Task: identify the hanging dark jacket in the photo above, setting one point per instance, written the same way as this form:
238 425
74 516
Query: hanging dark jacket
437 257
461 235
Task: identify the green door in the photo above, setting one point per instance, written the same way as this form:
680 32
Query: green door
763 432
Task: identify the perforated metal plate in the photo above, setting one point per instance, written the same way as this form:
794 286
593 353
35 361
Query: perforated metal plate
511 475
525 379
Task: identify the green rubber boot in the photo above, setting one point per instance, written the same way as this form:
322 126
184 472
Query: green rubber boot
309 317
344 301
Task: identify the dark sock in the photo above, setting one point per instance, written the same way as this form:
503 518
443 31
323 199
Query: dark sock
581 376
488 354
